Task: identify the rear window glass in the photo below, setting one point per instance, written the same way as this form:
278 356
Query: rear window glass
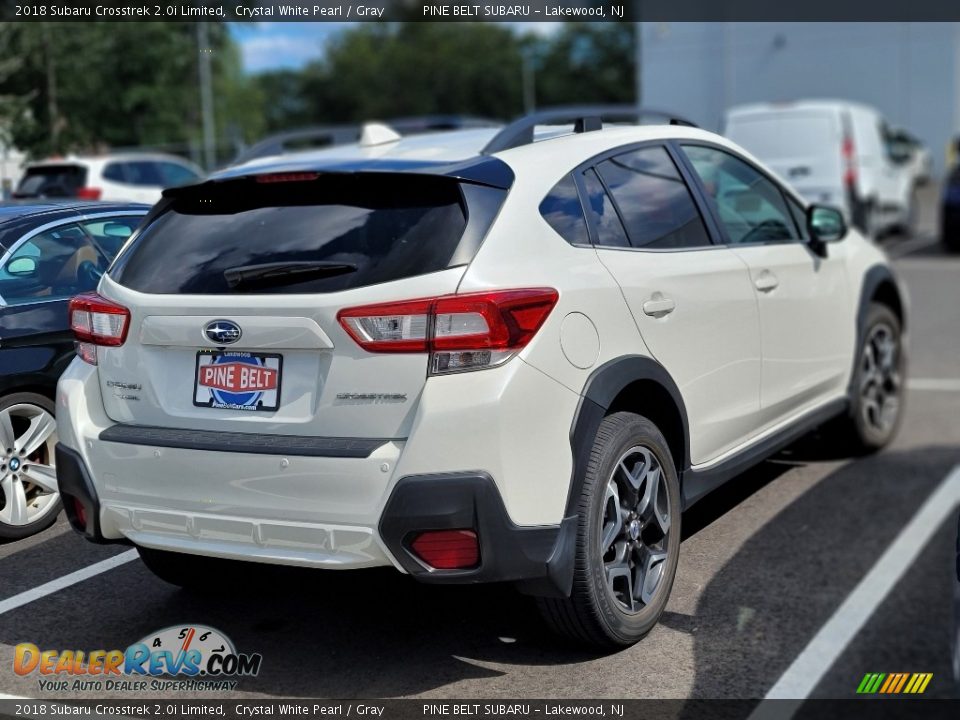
331 233
52 181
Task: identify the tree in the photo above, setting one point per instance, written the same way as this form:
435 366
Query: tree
417 68
101 85
586 63
391 70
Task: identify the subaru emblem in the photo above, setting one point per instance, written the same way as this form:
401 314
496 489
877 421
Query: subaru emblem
222 332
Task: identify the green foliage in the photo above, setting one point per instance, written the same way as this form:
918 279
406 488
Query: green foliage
396 69
586 63
98 85
84 87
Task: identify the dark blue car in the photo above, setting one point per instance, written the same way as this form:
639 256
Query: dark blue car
950 211
48 253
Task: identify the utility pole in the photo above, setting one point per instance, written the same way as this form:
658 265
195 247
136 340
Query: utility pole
529 81
206 96
53 109
638 58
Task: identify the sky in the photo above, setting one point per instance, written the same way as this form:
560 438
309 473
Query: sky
275 45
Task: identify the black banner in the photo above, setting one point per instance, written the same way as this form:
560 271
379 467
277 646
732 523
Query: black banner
884 709
473 10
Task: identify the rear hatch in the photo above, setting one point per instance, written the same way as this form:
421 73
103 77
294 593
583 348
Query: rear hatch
804 147
234 290
52 181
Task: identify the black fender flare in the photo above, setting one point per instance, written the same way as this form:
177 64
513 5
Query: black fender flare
876 276
599 392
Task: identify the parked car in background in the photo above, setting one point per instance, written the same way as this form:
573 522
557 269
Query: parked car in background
950 211
134 177
833 152
920 164
48 253
475 356
324 136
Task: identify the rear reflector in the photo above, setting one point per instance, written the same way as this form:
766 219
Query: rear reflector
447 549
97 321
81 512
463 332
89 193
849 164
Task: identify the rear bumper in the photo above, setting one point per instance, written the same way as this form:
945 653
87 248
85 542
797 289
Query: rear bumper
538 559
329 503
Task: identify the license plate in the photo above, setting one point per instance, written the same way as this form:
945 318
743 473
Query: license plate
235 380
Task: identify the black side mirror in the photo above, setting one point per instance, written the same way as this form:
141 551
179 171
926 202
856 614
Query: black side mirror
824 225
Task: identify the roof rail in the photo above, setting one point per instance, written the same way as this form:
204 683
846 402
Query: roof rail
585 118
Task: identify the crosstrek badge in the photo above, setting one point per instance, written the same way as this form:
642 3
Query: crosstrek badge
235 380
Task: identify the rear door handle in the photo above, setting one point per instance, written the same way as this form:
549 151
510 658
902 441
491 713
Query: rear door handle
766 281
658 306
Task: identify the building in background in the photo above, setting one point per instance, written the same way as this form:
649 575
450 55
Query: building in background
908 71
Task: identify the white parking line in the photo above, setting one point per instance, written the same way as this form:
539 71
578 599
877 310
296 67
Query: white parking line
28 596
818 657
934 384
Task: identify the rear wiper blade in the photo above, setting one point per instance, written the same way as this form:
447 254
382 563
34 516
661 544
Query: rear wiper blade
284 273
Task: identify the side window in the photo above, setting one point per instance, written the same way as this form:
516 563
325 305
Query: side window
55 264
657 208
174 174
610 232
109 234
115 172
750 207
144 172
562 209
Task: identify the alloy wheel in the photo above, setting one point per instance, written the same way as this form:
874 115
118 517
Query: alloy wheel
635 529
28 480
880 381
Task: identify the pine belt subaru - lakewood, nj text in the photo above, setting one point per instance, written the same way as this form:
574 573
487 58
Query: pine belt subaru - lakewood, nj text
483 355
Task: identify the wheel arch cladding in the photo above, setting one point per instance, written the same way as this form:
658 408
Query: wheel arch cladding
879 286
885 292
632 384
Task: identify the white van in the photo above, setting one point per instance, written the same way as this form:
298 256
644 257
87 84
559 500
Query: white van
834 153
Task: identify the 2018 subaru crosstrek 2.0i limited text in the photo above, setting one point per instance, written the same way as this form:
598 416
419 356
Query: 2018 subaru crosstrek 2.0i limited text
483 355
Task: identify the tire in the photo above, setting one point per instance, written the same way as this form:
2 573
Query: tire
601 611
876 402
37 506
191 572
950 234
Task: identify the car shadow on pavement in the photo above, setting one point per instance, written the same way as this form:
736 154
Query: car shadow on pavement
762 608
377 633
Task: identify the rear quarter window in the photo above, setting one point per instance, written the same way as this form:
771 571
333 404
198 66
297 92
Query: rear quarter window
561 208
342 231
52 181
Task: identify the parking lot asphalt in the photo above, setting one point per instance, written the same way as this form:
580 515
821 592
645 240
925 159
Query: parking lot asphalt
765 563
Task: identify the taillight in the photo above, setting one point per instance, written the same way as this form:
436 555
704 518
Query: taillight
97 321
447 549
849 166
89 193
462 332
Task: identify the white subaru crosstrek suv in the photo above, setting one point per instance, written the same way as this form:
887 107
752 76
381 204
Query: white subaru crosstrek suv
513 355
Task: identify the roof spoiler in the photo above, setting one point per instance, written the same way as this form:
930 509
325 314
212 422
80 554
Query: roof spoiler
585 118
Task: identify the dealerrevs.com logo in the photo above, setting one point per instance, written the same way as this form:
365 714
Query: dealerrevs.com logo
196 657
